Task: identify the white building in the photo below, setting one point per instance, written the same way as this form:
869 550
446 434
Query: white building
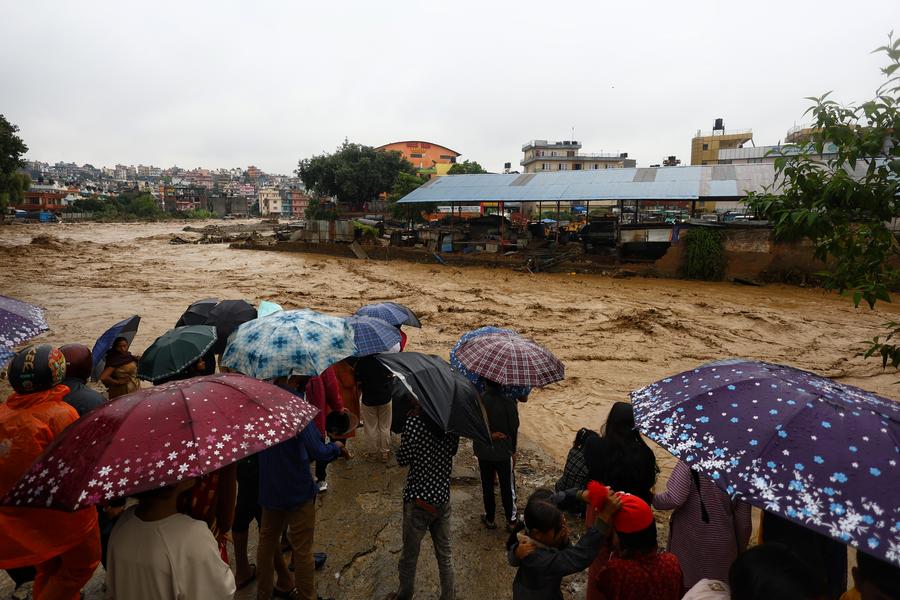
269 201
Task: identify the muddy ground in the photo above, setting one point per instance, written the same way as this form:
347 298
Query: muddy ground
614 335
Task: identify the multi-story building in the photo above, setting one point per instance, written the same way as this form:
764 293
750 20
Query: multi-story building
705 146
541 155
294 201
269 201
253 172
423 155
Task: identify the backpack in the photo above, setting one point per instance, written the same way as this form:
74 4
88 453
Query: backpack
575 473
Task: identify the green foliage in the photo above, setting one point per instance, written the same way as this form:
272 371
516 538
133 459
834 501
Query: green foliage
365 230
354 174
321 210
199 213
126 207
12 148
406 183
466 168
845 204
704 254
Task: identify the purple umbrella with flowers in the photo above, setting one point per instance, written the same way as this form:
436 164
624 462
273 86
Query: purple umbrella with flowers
19 322
796 444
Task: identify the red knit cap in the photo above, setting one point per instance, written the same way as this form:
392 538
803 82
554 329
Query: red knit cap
634 514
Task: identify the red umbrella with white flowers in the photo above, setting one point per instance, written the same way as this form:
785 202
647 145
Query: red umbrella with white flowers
159 436
510 360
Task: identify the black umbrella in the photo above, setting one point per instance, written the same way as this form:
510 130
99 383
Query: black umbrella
227 316
446 397
197 312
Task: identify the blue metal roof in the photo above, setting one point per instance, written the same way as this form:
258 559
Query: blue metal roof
667 183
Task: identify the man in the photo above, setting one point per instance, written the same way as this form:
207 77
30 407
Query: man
79 363
287 495
64 546
497 459
429 453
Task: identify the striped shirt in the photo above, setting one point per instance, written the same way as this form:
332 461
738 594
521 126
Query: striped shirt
704 550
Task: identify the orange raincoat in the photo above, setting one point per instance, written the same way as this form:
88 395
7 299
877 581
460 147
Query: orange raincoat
30 536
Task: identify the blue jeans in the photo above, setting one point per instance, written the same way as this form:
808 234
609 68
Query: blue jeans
416 523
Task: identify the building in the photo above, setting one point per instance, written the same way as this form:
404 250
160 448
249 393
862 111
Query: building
422 155
182 198
253 172
705 146
294 202
269 201
44 197
541 155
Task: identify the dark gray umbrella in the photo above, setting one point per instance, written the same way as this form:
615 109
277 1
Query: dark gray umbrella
446 397
197 312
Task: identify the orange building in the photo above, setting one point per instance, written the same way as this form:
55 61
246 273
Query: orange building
423 155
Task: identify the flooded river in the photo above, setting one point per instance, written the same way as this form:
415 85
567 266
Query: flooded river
613 335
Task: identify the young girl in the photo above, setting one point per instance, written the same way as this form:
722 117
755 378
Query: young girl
542 551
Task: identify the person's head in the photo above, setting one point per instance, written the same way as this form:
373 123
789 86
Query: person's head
544 522
638 542
876 579
199 366
79 361
165 494
620 422
773 572
36 368
120 345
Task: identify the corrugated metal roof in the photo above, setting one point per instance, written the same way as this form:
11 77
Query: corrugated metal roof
667 183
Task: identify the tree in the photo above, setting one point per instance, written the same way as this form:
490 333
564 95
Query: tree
320 210
354 174
405 184
846 204
466 168
12 184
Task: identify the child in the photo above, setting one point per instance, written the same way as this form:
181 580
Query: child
542 551
637 569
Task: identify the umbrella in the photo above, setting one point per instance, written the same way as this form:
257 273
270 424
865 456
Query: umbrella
446 397
197 312
510 391
19 322
126 328
510 360
816 452
373 335
392 312
226 316
175 350
267 308
290 342
159 436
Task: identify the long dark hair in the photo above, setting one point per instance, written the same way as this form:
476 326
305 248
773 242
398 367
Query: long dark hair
621 459
774 572
638 542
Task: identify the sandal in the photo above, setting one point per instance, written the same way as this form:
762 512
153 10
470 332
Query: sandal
488 524
291 594
249 579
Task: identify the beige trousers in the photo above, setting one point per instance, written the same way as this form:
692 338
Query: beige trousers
377 425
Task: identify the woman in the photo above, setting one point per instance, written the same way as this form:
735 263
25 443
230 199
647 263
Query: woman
708 529
120 374
619 457
375 384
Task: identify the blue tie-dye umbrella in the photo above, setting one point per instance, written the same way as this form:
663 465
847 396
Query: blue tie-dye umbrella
19 322
816 452
289 342
510 391
373 335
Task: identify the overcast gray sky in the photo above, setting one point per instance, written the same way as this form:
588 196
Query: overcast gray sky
224 84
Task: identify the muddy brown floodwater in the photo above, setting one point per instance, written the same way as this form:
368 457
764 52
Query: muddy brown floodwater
613 335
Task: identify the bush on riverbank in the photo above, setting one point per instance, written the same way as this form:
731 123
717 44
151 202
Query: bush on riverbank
704 255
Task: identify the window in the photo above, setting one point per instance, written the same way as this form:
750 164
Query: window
545 166
447 157
553 153
416 155
706 146
563 167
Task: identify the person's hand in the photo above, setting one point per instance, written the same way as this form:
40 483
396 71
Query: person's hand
613 504
524 549
113 512
498 435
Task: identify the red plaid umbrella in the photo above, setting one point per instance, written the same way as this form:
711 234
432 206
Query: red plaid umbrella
159 436
510 360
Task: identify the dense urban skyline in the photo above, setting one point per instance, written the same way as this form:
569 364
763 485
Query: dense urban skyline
165 87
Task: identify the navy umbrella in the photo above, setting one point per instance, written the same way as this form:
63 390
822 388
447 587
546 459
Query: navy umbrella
446 397
392 312
197 312
372 335
126 328
816 452
19 322
226 317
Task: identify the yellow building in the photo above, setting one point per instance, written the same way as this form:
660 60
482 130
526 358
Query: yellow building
705 145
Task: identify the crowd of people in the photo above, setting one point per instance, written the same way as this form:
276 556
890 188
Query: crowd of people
172 542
